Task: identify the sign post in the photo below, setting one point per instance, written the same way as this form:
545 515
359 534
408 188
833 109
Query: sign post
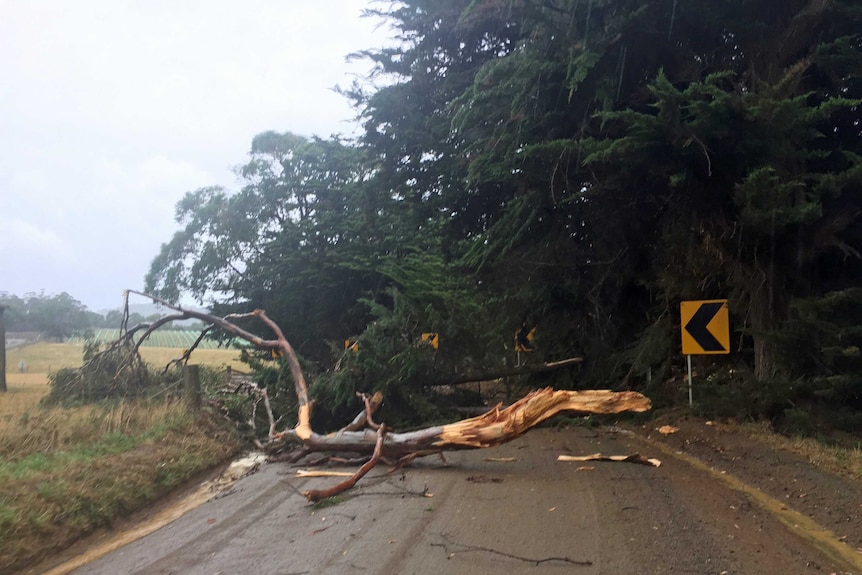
705 331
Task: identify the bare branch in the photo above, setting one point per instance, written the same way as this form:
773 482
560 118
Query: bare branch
369 410
362 417
315 495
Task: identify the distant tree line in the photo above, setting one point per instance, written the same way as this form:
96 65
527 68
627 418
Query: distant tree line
581 167
59 316
54 316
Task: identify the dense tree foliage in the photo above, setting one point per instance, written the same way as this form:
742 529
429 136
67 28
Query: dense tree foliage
577 165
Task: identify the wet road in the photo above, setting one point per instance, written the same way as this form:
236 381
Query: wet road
485 514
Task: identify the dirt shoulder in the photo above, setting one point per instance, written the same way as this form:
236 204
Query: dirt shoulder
829 499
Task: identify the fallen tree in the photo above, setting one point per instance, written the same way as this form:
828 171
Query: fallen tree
363 435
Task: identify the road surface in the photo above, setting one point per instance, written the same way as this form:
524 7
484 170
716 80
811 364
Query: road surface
512 509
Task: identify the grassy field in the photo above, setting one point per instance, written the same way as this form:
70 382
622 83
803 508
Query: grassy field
67 471
48 357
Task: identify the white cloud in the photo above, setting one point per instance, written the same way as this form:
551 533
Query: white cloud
32 238
111 110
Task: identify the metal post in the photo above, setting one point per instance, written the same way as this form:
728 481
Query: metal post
690 402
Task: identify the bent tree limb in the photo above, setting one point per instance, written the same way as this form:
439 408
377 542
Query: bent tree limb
495 427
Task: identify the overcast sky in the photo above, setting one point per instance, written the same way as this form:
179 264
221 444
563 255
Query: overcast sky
110 110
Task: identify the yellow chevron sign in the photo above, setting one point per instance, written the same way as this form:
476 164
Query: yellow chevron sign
431 338
705 327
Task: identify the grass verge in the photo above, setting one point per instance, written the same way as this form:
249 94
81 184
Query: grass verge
104 466
65 472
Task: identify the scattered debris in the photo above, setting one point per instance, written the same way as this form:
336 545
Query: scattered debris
307 473
484 479
237 470
452 549
634 458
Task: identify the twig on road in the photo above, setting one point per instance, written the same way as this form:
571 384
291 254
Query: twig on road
461 548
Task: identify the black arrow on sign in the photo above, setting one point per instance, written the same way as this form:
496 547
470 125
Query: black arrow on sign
696 327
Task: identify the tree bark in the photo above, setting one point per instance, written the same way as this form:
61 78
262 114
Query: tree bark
763 322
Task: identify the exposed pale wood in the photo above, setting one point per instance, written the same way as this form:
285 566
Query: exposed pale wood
633 458
361 419
307 473
502 425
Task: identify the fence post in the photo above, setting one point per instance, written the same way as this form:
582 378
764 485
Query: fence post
2 350
192 387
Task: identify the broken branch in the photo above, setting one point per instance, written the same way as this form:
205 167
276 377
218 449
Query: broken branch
315 495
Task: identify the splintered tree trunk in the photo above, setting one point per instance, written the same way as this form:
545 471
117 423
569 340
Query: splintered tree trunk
495 427
490 429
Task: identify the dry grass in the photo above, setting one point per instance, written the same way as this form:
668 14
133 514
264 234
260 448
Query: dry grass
44 357
67 471
49 357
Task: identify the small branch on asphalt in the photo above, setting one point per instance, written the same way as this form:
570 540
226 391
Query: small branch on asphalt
451 551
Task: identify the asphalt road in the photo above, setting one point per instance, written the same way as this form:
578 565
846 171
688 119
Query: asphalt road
532 515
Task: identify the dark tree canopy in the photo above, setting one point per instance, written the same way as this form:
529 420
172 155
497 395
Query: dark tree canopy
577 165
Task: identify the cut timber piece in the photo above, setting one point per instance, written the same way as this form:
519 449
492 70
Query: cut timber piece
306 473
634 458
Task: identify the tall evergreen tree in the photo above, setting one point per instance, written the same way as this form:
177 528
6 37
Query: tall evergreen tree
646 152
582 165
